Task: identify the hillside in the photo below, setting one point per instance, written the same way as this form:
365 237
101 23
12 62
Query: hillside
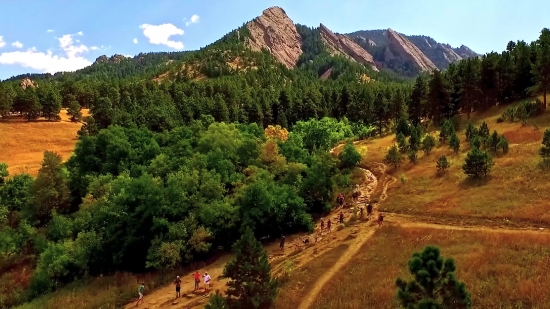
261 130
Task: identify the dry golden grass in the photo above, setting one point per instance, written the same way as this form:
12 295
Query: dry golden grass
23 143
517 188
500 270
302 279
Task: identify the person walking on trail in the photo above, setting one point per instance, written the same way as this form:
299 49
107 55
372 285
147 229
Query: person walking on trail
322 225
177 282
361 215
197 277
369 210
140 292
380 219
341 217
206 282
329 224
282 244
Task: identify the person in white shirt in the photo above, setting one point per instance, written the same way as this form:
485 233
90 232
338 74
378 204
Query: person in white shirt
206 281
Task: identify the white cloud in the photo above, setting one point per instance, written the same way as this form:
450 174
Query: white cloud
2 43
94 48
160 34
49 30
194 19
80 33
135 41
48 62
17 44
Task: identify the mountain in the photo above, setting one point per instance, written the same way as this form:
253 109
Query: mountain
440 54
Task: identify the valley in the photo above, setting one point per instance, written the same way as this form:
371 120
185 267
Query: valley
139 169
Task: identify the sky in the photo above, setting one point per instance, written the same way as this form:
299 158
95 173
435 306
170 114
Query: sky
65 35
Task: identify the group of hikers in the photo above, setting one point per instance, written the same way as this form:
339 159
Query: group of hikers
339 200
197 278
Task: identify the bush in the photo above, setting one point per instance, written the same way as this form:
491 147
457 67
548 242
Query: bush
478 163
349 156
413 157
442 164
428 144
393 157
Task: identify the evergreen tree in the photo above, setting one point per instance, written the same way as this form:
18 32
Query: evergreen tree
454 142
439 98
428 144
442 164
393 157
414 139
545 149
74 111
447 129
471 131
478 163
403 126
413 156
484 131
349 156
503 144
475 141
434 285
250 284
217 301
381 111
492 141
541 68
7 95
416 101
402 143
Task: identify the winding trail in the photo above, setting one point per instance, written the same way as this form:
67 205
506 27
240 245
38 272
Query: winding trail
356 237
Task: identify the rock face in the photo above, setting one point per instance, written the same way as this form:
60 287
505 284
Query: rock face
27 83
274 31
397 43
465 52
343 45
116 58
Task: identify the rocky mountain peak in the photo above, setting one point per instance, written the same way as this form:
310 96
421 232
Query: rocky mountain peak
276 32
398 44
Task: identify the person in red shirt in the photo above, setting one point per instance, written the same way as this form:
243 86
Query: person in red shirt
197 277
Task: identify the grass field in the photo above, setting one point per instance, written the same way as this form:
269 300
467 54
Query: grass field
500 270
516 189
23 143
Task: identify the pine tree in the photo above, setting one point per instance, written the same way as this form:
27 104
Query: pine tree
454 142
250 284
471 131
503 144
439 98
478 163
413 156
447 129
381 111
217 301
416 101
545 149
492 141
434 285
74 111
393 157
541 68
428 144
403 126
402 143
442 164
484 131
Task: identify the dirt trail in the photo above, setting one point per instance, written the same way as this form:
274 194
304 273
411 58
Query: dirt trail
355 235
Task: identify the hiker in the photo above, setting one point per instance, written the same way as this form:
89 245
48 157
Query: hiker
329 224
322 225
341 217
197 277
140 291
369 210
361 211
380 219
355 194
282 244
206 281
177 282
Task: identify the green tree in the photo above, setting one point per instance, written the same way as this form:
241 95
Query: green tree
475 142
478 163
217 301
7 95
503 144
74 111
435 285
416 108
349 156
492 141
49 191
51 102
402 142
545 149
541 67
471 131
393 157
403 126
483 131
447 129
454 142
442 164
413 156
250 284
428 144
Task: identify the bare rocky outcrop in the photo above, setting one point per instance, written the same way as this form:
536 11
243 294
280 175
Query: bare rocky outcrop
405 49
27 83
465 52
276 32
101 59
342 45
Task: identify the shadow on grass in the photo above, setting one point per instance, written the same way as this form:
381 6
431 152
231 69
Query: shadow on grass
470 182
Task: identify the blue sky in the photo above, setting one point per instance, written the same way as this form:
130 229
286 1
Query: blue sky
54 35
